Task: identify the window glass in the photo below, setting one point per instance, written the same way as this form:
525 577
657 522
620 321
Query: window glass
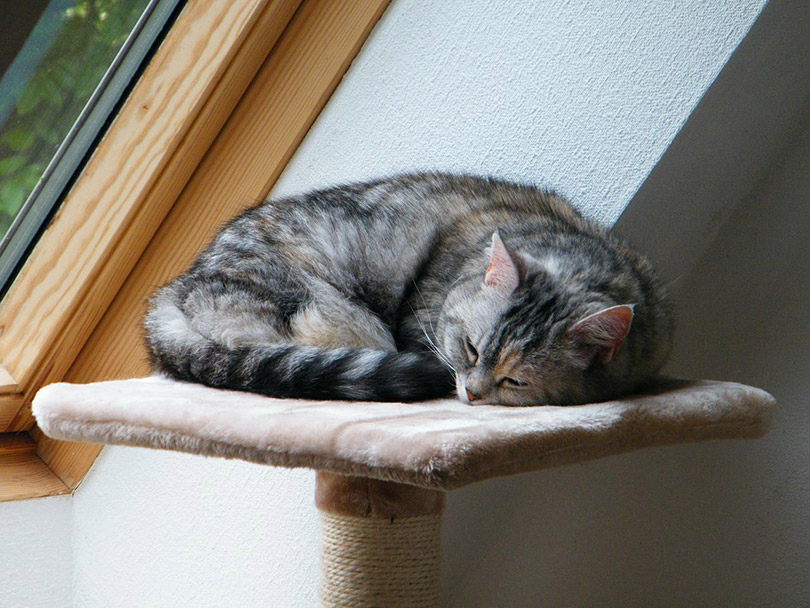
58 59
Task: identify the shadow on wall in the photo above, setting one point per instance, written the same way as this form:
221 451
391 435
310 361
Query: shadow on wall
715 524
738 130
745 316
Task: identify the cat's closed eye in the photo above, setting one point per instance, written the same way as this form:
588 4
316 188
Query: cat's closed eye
512 383
472 352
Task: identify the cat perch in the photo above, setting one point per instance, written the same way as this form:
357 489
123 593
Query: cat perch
384 468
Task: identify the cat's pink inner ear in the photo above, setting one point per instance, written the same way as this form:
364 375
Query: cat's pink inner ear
604 330
503 273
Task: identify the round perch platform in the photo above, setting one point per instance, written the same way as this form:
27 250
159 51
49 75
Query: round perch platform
383 468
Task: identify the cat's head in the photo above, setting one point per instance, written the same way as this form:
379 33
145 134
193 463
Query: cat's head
520 336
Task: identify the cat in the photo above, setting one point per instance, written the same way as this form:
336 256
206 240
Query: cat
416 287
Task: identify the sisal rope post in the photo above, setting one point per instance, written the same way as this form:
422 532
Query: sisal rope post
380 543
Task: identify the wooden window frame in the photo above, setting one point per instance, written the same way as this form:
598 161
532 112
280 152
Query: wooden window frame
206 131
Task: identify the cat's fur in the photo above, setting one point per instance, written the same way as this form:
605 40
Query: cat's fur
377 290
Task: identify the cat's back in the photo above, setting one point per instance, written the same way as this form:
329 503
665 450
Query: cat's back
386 229
360 223
430 197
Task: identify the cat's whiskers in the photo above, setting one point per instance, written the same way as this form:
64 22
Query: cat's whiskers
426 307
674 283
430 343
432 346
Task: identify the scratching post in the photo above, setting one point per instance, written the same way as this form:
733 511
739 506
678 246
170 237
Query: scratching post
380 543
384 468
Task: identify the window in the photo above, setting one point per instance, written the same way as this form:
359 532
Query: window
205 130
65 64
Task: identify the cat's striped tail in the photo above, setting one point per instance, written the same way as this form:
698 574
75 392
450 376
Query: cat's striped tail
306 372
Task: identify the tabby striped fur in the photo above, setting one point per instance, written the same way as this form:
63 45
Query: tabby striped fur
378 291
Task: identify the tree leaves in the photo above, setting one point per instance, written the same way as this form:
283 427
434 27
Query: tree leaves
11 163
92 32
18 139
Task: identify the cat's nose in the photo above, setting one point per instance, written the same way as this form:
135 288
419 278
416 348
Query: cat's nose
471 395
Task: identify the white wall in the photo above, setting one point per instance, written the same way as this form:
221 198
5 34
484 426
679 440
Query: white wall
159 530
583 96
745 316
36 556
579 95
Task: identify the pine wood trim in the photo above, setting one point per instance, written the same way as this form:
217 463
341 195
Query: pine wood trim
7 383
22 472
16 443
158 138
246 159
9 407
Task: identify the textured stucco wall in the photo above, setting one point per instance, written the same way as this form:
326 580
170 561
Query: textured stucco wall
745 316
155 530
579 95
36 557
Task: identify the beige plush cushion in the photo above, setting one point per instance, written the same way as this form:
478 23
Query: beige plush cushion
440 444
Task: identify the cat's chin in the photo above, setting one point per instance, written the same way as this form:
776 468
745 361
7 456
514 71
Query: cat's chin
461 392
461 396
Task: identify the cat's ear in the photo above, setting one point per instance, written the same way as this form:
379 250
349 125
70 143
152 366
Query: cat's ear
504 271
603 332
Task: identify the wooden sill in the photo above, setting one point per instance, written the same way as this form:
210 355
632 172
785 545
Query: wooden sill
22 473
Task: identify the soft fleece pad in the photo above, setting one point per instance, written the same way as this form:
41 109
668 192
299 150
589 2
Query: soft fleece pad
440 444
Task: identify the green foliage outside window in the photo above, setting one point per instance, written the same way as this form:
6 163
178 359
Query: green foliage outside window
87 36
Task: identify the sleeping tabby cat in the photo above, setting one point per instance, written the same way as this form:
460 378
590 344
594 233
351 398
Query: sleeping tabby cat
412 288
